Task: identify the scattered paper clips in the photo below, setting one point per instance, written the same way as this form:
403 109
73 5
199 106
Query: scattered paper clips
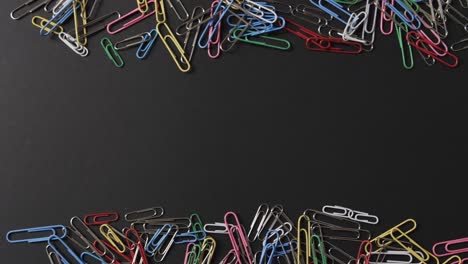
420 28
333 235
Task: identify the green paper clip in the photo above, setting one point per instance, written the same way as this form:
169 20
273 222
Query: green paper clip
259 42
406 64
112 53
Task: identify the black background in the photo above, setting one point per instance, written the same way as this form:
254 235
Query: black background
299 128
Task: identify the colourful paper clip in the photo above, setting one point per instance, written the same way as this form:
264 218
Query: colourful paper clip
147 44
130 23
51 230
100 218
113 55
180 60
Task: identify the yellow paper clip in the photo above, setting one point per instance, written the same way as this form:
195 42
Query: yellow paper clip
142 6
180 60
385 239
207 250
303 233
108 233
40 22
160 11
80 21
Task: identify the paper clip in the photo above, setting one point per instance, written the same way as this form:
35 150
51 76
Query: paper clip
147 44
358 216
142 6
58 19
189 237
52 230
86 255
317 246
362 255
109 234
386 256
80 21
185 14
144 214
113 55
158 239
53 257
456 16
207 250
303 233
419 41
30 11
160 11
43 21
180 60
130 23
216 43
406 16
192 253
265 41
59 5
216 228
137 245
100 23
111 248
442 249
460 45
92 11
55 239
407 65
236 228
269 248
385 240
195 35
73 44
106 251
87 234
160 255
218 15
100 218
230 258
132 41
257 222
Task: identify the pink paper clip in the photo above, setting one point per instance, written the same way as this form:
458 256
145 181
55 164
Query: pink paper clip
446 250
386 20
216 43
136 11
236 228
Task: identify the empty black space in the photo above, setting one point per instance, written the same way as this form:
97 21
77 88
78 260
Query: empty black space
298 128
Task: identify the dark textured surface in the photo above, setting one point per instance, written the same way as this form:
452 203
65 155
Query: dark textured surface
299 128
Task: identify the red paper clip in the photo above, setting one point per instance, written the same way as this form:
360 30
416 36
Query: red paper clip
136 245
113 249
362 254
317 42
419 41
95 219
105 254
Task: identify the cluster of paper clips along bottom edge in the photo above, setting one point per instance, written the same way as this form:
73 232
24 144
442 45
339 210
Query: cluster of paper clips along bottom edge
333 235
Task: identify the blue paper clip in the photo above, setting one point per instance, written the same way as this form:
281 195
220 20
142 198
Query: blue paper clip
52 229
147 44
210 23
158 239
88 254
190 237
61 16
67 247
333 14
285 248
269 249
407 16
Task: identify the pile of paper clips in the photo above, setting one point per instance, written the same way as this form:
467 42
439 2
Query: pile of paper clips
316 237
339 26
